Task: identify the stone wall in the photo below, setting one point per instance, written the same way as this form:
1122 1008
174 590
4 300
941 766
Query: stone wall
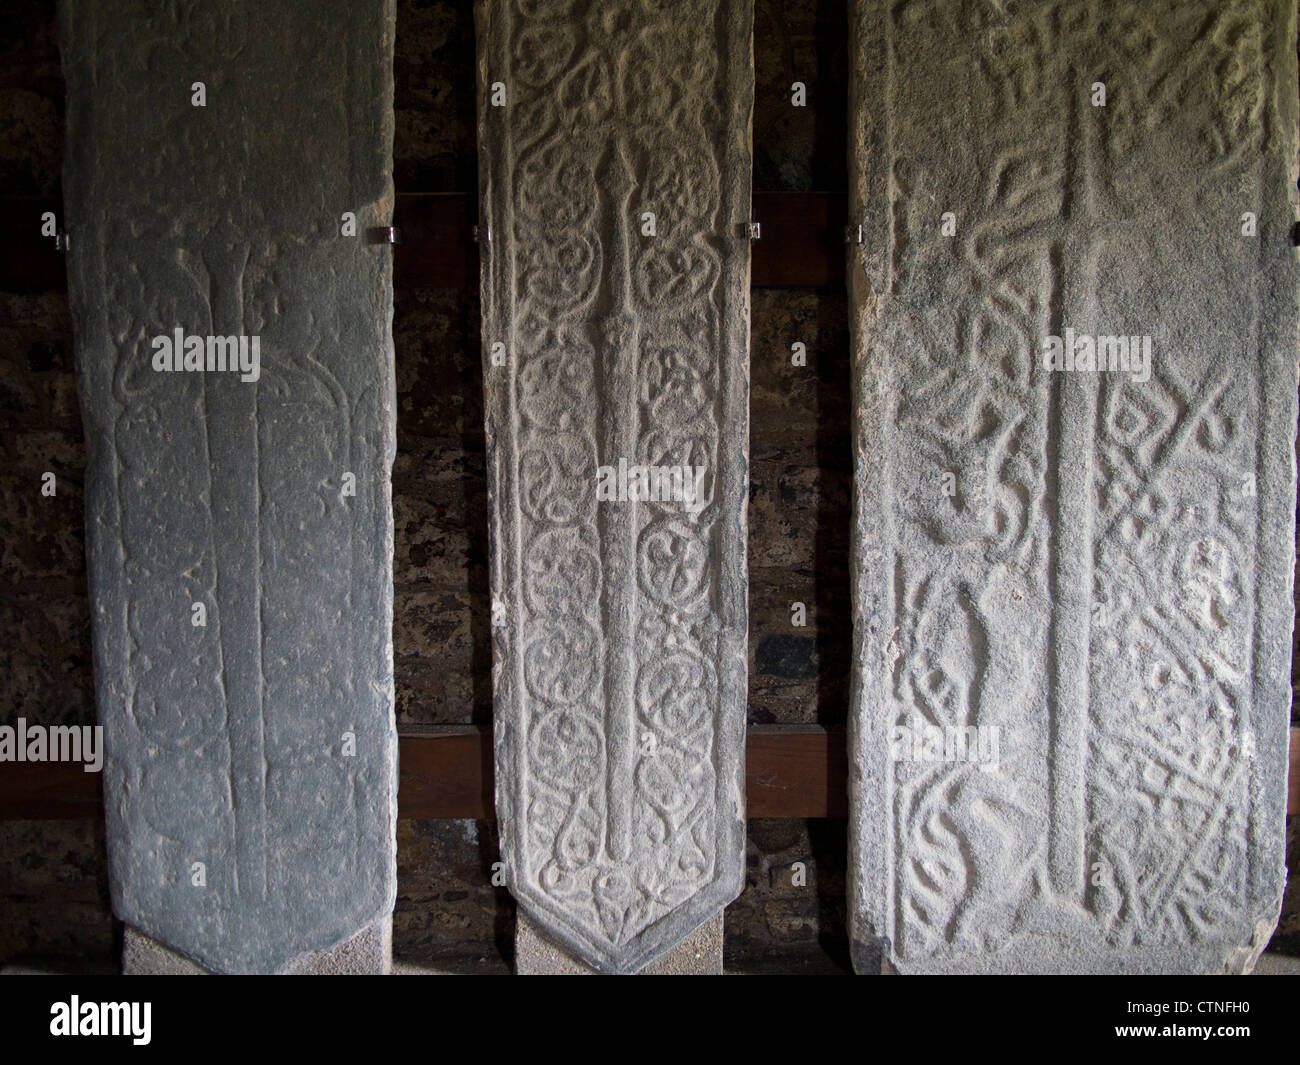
53 874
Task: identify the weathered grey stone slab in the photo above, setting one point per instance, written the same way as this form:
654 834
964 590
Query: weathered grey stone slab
619 626
698 954
1105 578
250 783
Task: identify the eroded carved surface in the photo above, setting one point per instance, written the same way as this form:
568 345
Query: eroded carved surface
227 742
1095 565
619 626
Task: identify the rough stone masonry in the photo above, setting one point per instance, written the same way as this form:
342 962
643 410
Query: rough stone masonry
223 167
1051 541
615 191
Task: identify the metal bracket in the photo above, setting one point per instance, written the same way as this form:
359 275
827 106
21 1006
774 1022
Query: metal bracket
754 230
386 235
481 235
854 235
61 240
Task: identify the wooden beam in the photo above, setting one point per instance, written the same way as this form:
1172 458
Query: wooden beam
796 771
445 772
791 772
802 243
30 262
1293 777
48 791
437 249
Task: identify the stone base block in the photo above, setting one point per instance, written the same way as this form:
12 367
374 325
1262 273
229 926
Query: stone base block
699 954
368 953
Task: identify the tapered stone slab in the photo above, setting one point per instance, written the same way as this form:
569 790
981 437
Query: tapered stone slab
1084 576
250 783
618 340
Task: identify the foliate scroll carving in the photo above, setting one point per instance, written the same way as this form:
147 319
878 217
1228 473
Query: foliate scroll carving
616 168
250 785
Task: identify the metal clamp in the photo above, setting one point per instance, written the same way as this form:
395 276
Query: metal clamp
386 235
754 230
481 235
855 235
61 240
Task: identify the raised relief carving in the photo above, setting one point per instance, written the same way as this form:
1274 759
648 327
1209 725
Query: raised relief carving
250 787
620 661
1097 586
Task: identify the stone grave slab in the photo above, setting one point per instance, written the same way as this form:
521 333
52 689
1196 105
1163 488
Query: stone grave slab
236 372
1075 320
615 169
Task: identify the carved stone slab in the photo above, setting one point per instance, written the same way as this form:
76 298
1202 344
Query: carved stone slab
615 178
250 785
1082 575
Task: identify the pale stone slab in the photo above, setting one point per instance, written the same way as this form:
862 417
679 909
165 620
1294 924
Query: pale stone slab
368 953
1096 565
698 954
243 828
619 626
